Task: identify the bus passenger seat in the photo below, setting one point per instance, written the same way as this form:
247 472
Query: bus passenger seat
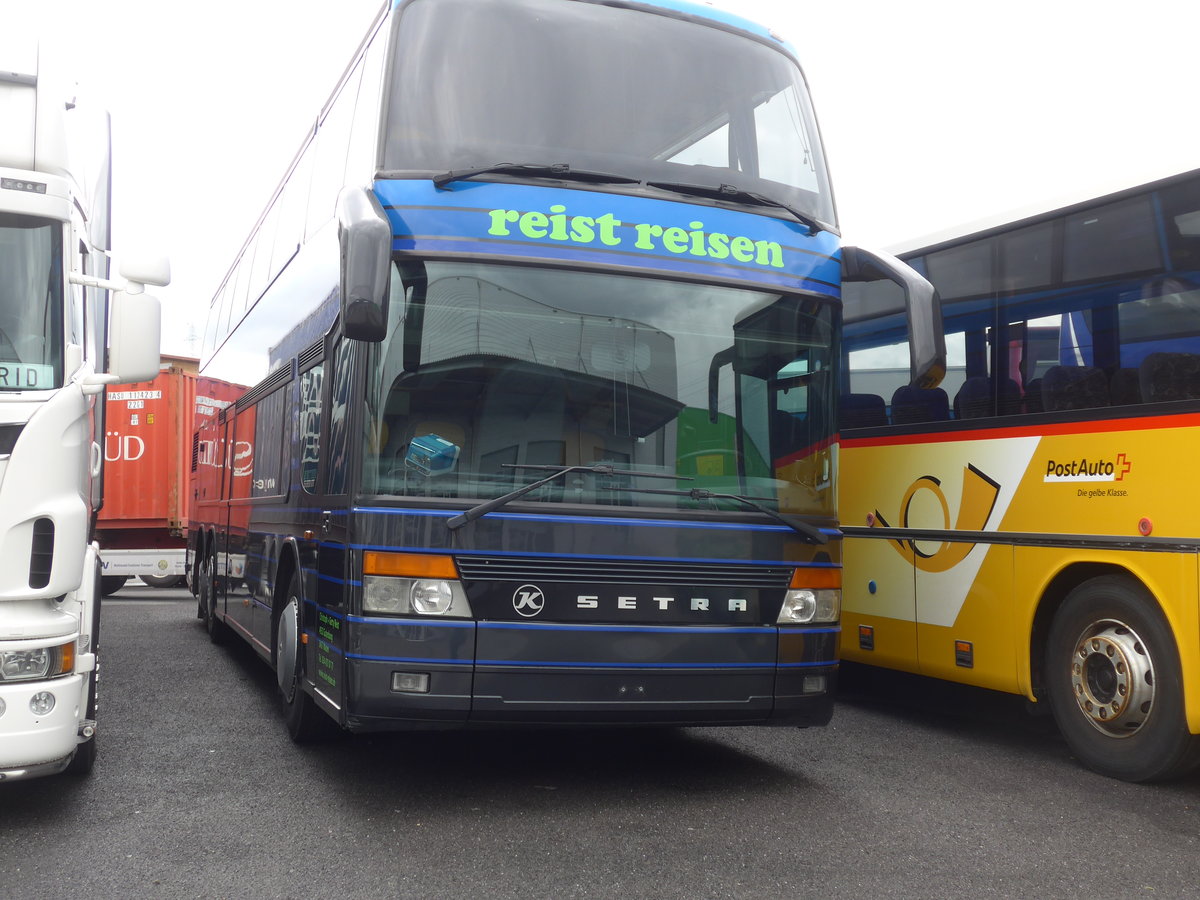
1009 399
1170 376
1033 397
862 410
1124 387
912 404
974 398
1074 387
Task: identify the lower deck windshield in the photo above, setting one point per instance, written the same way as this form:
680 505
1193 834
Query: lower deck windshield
491 371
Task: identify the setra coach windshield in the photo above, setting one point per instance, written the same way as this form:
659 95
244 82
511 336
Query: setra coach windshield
491 370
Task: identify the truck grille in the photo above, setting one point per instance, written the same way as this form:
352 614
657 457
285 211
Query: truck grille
623 571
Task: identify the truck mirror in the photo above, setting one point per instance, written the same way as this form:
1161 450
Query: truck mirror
134 331
365 236
155 270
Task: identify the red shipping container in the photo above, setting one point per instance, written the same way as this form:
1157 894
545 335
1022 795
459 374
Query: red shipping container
142 526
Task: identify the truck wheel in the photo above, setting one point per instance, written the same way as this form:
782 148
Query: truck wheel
110 584
1114 683
208 599
305 722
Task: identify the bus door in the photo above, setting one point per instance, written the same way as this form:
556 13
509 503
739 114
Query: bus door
963 584
325 410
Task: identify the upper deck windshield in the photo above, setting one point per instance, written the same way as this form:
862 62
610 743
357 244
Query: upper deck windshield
604 89
489 368
31 300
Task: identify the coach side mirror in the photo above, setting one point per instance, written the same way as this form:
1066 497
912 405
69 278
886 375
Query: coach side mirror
365 236
923 308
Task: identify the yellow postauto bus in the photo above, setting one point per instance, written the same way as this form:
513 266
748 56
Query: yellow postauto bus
1030 525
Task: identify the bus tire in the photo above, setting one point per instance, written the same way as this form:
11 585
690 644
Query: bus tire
1114 683
110 584
305 722
208 599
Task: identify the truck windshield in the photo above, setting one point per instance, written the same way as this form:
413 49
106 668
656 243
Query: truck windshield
489 371
31 300
601 88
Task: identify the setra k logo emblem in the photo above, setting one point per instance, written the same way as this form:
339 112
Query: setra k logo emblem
528 600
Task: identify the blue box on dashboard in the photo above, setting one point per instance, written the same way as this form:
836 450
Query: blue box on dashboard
430 454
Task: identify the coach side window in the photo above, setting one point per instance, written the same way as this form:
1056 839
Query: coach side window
339 410
310 425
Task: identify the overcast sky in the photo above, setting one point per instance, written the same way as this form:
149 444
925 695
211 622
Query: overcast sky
933 112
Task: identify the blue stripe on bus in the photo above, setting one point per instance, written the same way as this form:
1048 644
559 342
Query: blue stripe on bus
410 621
419 660
459 221
658 559
495 249
588 520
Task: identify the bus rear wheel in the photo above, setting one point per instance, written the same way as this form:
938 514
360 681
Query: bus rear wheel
208 599
1114 683
305 722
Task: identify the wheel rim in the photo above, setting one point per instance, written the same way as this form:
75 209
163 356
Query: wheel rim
208 589
287 643
1112 678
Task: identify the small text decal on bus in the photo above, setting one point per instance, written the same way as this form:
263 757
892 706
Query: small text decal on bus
690 241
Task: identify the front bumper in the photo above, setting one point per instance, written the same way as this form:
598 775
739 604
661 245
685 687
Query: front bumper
32 745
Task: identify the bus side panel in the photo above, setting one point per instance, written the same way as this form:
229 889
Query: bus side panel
878 601
980 646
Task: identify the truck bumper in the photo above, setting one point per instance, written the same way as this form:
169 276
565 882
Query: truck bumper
32 745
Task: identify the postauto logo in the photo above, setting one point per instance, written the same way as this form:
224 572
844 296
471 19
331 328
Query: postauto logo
1088 469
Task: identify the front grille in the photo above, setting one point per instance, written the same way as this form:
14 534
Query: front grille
41 558
621 571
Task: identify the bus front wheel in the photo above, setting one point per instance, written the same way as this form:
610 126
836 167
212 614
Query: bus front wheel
305 722
1114 683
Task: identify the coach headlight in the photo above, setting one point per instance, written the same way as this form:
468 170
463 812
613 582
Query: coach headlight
814 596
405 584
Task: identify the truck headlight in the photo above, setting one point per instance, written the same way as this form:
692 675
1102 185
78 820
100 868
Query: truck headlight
37 662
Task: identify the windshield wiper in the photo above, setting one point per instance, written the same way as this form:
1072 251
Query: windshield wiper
556 472
811 532
536 170
729 192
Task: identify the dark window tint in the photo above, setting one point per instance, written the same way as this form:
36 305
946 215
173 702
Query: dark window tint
1114 239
